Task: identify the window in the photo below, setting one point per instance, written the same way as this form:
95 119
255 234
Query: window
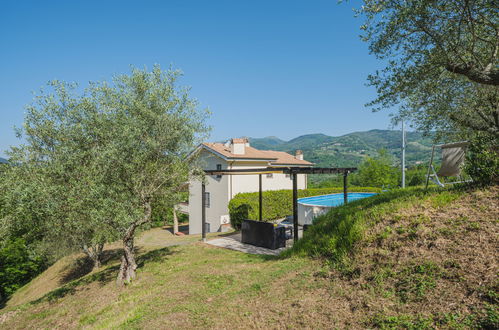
207 199
219 168
270 175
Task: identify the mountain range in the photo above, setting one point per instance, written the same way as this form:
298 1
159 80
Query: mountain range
350 149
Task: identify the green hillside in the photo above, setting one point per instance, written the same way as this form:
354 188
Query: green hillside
268 142
349 150
403 260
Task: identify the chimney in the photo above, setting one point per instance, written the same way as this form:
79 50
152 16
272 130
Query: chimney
299 155
238 146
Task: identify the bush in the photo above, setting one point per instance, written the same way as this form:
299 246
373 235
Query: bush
416 176
17 266
482 162
377 172
162 211
276 204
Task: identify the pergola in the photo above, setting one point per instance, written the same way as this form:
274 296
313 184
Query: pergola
293 172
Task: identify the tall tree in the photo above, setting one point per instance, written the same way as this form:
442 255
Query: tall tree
108 154
442 61
151 126
52 195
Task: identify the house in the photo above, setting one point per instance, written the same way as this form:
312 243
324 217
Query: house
220 189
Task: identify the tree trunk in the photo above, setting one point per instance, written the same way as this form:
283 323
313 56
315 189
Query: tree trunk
175 221
128 265
94 253
98 255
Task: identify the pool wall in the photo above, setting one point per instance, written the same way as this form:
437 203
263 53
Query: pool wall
307 211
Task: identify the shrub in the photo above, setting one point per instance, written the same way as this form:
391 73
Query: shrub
377 172
482 162
276 204
17 266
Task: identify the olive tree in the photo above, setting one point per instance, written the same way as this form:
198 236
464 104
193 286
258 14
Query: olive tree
442 62
106 155
150 127
52 194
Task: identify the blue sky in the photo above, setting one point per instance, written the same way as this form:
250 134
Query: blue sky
283 68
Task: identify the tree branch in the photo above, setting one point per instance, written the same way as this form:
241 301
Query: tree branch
486 77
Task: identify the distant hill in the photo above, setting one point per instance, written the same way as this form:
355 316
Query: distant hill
350 149
3 161
266 142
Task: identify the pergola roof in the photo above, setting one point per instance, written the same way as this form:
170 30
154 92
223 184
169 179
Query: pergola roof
285 170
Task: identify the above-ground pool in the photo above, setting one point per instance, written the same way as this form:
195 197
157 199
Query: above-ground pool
311 207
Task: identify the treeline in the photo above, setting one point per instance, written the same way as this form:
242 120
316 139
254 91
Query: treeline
377 171
481 165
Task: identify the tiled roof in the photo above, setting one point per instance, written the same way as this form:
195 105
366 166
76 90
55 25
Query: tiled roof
274 157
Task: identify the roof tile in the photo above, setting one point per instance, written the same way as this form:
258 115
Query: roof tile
274 157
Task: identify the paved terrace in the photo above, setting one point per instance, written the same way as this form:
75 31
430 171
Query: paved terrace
233 242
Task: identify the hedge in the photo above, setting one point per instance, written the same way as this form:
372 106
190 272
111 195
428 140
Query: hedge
276 203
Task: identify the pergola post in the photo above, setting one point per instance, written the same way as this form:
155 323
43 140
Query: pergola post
295 207
203 212
260 197
345 187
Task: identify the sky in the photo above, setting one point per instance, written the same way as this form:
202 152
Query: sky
263 68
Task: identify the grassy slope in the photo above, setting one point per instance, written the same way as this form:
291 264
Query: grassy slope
75 266
418 260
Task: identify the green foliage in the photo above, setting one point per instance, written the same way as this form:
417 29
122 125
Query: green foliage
18 265
441 62
487 319
490 319
482 162
415 176
418 321
316 181
377 172
95 161
276 204
162 210
21 258
414 282
401 322
351 149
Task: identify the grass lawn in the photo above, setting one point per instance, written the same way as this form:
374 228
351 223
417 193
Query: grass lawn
406 260
188 286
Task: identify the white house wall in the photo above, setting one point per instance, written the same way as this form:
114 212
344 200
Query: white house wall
218 189
249 183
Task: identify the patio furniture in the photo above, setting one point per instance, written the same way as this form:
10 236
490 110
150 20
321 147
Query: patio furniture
263 234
